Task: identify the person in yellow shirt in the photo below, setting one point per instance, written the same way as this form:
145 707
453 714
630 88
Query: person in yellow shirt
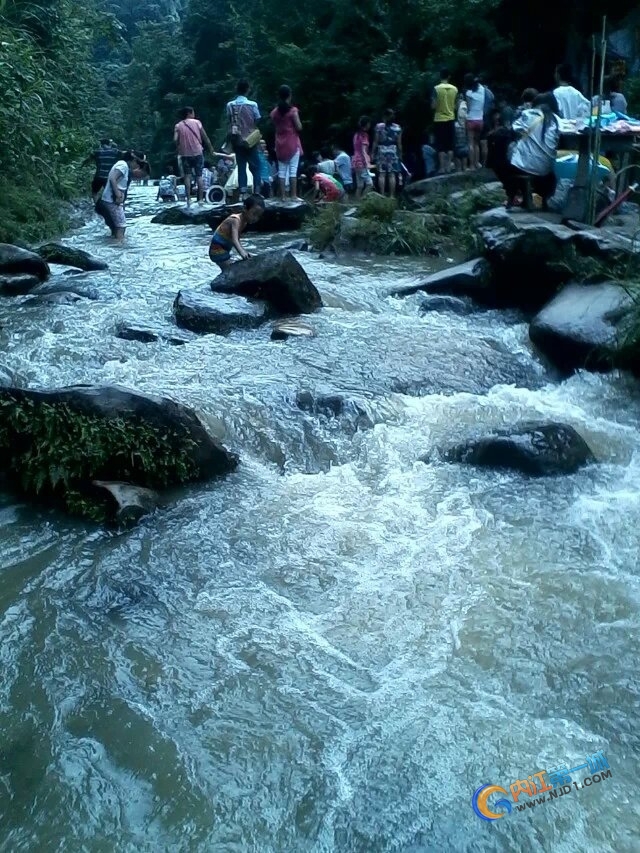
443 103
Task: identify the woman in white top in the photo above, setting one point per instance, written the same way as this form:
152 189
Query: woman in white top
475 97
111 206
535 153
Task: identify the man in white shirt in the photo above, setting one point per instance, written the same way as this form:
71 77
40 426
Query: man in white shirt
572 103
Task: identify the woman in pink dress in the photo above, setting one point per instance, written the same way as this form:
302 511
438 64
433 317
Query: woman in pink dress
288 148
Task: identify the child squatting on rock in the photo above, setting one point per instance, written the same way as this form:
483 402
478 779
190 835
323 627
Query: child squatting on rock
227 234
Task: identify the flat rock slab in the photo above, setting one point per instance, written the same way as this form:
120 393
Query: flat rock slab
278 216
277 277
583 326
17 284
420 193
56 253
538 450
14 260
533 254
147 335
292 327
472 278
64 297
217 314
51 288
180 214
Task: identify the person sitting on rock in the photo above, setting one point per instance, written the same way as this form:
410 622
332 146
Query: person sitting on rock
534 156
327 187
167 188
227 234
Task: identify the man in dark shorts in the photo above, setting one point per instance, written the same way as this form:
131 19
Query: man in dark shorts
104 158
190 137
443 103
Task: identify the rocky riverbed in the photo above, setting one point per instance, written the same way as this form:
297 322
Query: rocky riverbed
305 653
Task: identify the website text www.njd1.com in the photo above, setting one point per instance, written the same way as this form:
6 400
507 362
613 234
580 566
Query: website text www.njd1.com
541 787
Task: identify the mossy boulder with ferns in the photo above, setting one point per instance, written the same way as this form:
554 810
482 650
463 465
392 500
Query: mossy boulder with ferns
55 444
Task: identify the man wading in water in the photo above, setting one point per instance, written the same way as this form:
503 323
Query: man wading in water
104 158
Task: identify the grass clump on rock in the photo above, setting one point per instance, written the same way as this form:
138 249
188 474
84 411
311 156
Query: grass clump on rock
377 225
54 452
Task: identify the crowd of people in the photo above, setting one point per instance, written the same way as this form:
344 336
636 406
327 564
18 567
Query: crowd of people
470 129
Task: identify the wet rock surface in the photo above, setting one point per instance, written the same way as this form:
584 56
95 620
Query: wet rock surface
57 253
276 277
126 503
327 404
17 284
292 327
278 216
473 278
532 255
583 326
538 450
216 314
447 304
17 261
148 335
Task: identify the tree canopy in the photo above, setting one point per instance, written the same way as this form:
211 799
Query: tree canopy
72 71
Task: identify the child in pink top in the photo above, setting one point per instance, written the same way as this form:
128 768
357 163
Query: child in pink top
361 160
327 188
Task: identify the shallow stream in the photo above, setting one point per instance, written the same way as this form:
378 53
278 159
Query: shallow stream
331 649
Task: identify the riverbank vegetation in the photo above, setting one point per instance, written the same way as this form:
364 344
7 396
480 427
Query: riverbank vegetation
51 97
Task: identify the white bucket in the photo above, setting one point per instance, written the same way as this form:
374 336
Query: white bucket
216 195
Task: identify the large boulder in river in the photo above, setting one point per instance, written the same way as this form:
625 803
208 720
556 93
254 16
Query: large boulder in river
54 444
583 326
217 314
472 278
277 277
539 450
56 253
278 216
532 254
17 261
18 284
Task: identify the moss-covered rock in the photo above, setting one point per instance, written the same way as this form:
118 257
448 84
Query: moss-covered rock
54 444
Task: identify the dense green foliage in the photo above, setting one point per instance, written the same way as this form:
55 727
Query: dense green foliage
55 452
72 71
49 89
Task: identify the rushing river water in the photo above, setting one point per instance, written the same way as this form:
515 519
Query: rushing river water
332 648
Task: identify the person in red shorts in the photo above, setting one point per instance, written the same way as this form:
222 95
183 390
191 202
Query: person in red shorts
327 188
